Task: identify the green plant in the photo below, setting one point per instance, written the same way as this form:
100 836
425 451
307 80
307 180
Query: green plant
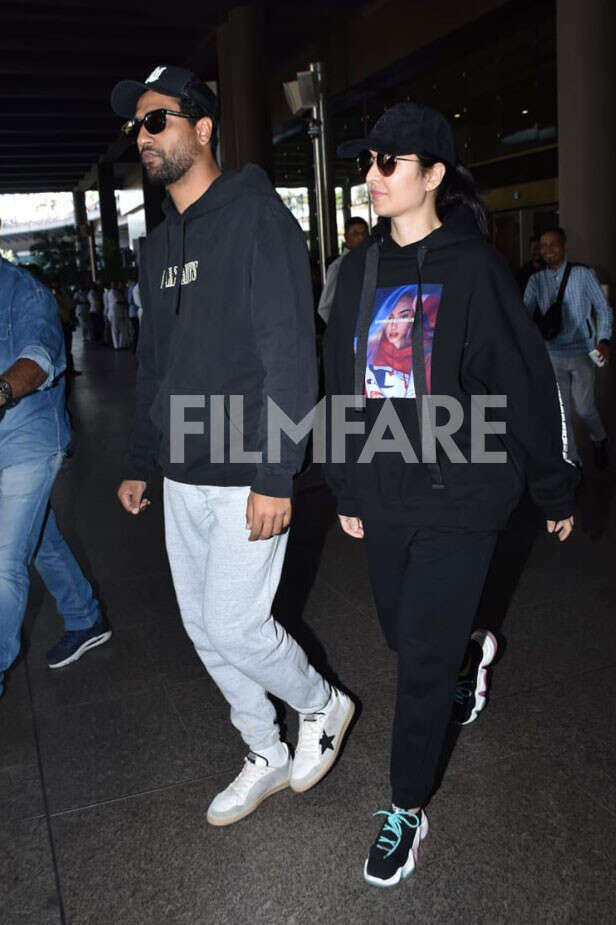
57 256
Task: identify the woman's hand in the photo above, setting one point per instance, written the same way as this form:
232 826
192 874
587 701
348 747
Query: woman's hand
352 525
561 527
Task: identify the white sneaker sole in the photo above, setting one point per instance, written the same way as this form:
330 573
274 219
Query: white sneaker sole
302 786
407 869
489 645
85 647
229 820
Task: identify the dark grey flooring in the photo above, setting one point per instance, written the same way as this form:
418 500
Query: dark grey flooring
133 740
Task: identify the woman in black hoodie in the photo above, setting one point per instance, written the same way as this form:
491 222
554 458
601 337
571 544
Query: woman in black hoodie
451 387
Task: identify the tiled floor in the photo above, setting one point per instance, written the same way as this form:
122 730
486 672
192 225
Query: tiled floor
107 766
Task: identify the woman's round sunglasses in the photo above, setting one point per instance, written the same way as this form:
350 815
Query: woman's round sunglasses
155 122
386 163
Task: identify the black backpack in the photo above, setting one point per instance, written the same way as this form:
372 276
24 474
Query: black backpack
551 321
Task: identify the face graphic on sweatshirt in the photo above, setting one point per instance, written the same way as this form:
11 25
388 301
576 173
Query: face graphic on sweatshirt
389 365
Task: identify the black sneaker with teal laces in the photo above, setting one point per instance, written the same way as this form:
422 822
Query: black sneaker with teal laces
472 687
393 856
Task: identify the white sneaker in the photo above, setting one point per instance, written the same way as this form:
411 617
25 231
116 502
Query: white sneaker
256 781
320 738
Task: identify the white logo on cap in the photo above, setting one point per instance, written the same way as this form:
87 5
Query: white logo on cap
156 73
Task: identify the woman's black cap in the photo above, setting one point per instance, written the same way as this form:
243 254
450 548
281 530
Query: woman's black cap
407 128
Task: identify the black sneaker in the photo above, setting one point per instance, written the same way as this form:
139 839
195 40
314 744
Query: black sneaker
393 856
472 688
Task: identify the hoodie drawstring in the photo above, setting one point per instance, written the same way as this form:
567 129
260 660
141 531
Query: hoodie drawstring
366 302
420 376
177 290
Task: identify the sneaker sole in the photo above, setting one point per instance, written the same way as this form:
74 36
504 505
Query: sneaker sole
489 646
229 820
407 869
85 647
303 787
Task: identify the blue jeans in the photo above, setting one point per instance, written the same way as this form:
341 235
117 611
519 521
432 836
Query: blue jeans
26 518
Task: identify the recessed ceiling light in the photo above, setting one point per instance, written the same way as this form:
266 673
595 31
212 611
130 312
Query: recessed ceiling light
525 112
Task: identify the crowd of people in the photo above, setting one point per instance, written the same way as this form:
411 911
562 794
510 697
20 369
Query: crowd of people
419 307
108 314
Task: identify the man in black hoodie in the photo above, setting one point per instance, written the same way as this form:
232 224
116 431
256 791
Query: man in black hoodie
227 332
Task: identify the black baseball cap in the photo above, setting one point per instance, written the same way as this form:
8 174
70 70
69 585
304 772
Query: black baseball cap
407 128
169 80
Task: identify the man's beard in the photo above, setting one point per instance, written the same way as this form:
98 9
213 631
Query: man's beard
168 169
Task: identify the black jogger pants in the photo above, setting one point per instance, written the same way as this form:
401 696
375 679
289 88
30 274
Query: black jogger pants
427 583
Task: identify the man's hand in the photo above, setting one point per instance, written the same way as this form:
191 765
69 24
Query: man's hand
131 497
562 528
352 525
266 516
24 376
605 350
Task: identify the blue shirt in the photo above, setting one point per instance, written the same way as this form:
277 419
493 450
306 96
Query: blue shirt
37 424
580 330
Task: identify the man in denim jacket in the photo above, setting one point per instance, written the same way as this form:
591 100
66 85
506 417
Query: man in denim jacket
34 434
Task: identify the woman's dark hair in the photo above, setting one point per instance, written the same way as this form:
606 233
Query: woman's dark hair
457 188
192 109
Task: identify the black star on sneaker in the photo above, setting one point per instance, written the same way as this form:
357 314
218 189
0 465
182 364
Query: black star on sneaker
393 856
326 742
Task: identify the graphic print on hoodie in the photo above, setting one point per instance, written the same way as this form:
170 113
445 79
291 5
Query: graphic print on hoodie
389 362
478 342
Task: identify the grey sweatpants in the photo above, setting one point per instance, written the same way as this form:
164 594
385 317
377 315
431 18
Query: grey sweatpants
575 376
225 586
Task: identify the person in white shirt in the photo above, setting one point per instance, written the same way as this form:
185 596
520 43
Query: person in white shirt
82 308
355 231
117 314
95 301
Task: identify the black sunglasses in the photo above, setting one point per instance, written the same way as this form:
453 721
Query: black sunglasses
155 122
386 163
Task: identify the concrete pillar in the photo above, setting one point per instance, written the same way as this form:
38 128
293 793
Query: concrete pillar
587 131
81 227
246 133
153 196
109 216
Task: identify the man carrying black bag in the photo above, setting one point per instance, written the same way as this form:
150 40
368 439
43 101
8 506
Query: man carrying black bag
562 298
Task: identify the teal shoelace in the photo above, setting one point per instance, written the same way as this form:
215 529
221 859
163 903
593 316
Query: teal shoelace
393 827
464 690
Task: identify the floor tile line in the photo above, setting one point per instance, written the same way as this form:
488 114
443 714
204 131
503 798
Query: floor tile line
141 793
589 795
346 599
52 845
119 698
174 707
552 683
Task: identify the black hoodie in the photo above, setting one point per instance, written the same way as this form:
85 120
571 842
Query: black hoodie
227 310
477 341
